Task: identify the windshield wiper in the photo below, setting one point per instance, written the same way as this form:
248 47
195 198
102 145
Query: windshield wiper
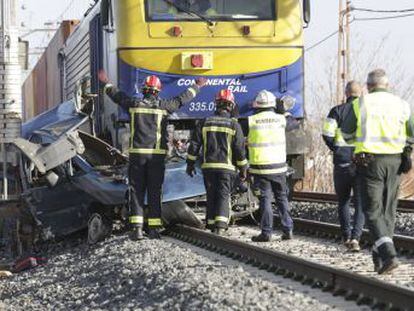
188 11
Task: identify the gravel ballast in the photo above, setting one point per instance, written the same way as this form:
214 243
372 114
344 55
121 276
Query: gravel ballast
119 274
329 253
327 212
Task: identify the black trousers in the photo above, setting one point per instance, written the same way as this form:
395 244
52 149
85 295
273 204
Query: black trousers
380 183
146 176
265 187
218 186
345 180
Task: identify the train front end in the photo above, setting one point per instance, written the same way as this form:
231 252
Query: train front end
242 45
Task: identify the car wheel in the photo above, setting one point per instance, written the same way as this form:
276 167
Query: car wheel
98 228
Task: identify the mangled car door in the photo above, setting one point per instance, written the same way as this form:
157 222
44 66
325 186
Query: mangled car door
106 170
48 156
61 209
52 198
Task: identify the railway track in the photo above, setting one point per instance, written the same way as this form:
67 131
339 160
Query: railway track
363 289
404 206
404 244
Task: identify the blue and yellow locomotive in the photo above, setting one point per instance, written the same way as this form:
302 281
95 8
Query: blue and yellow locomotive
242 45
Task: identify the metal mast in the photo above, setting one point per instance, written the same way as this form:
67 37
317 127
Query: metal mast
339 57
348 40
344 50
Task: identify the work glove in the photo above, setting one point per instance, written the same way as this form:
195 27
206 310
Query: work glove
191 171
103 77
103 80
243 174
406 162
200 82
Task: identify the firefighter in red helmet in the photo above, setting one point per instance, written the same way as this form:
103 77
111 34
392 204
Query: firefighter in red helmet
223 144
148 147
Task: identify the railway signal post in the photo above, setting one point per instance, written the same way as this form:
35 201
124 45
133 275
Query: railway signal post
10 90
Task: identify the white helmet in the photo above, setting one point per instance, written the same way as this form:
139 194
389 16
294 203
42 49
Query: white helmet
265 99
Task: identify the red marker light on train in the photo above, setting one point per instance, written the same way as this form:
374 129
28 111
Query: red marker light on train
197 60
177 31
246 30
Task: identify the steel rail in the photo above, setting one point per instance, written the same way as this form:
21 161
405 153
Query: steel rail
363 290
404 206
404 244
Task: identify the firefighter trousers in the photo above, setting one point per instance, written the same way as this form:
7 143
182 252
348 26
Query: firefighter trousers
380 183
265 186
219 185
146 176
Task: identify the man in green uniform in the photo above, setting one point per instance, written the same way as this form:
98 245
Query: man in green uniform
380 127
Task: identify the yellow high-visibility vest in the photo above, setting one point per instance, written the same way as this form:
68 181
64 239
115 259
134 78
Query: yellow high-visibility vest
382 123
267 143
331 129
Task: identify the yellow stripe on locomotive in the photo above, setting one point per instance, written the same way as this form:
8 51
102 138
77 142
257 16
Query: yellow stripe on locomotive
157 46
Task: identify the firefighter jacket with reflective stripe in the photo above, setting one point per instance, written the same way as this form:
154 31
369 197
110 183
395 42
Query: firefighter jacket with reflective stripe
332 135
149 118
267 143
222 142
381 123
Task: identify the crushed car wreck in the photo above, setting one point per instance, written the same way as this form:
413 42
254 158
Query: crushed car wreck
72 180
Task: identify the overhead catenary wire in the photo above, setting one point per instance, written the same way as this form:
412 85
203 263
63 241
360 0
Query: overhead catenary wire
74 9
326 38
322 41
361 19
68 7
382 17
382 11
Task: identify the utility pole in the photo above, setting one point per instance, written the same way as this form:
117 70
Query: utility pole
10 88
339 72
348 40
344 50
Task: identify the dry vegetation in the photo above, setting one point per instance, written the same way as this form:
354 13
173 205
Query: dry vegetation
321 97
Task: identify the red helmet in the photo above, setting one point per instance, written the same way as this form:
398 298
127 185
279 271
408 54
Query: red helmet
225 97
152 83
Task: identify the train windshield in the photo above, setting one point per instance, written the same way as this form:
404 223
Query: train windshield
215 10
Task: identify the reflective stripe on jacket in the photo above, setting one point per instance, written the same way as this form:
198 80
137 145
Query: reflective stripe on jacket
149 118
331 129
222 141
267 143
383 123
148 127
332 133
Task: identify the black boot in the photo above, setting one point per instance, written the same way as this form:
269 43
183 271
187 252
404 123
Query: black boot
219 231
376 259
389 265
136 234
388 256
212 228
154 234
262 237
287 235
